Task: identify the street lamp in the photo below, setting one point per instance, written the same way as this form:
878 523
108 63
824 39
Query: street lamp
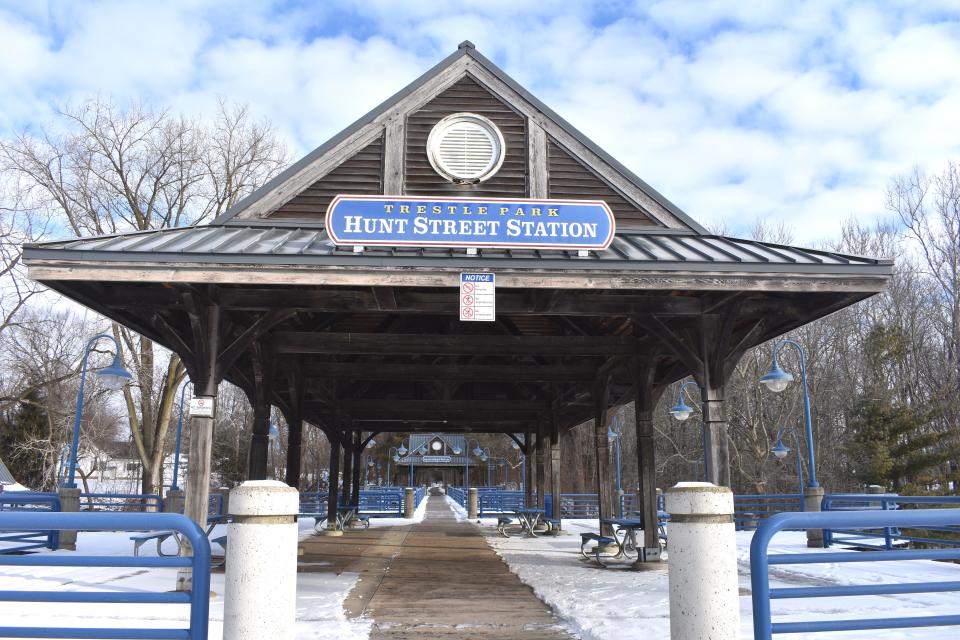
777 380
176 453
477 451
781 450
112 378
614 433
392 454
404 451
681 411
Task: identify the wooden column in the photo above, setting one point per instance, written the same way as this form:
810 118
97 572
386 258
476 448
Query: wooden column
528 451
555 487
357 451
295 427
206 382
541 464
334 485
715 430
644 402
346 443
261 361
604 484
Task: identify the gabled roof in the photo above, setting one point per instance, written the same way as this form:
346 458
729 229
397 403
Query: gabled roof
465 49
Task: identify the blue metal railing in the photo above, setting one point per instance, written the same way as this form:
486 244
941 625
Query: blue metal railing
313 503
382 502
760 561
198 598
494 502
458 495
215 510
869 539
418 496
20 541
121 502
749 510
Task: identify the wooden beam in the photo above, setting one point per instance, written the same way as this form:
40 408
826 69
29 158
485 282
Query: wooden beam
444 371
441 344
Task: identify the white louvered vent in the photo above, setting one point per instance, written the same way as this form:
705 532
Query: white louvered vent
465 147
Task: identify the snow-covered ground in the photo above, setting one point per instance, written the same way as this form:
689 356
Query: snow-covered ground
319 594
597 603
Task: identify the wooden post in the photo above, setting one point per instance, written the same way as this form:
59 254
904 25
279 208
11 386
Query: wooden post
528 451
715 428
294 439
259 440
333 486
555 486
644 402
201 429
347 446
357 452
541 464
604 486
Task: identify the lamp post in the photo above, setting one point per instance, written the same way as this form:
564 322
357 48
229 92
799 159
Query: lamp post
614 432
781 450
112 377
777 380
176 453
477 451
523 465
681 411
404 451
392 454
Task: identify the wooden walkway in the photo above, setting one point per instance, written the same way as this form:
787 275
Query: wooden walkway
436 579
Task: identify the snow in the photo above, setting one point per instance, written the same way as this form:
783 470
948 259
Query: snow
620 602
320 595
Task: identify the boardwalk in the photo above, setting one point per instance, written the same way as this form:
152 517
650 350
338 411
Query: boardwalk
436 579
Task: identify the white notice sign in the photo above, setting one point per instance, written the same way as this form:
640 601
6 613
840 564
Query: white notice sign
478 297
201 407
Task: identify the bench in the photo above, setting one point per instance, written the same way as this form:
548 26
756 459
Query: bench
142 538
603 542
554 524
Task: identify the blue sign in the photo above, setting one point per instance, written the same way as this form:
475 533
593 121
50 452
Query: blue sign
469 222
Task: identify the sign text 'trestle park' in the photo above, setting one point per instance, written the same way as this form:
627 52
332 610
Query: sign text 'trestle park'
470 222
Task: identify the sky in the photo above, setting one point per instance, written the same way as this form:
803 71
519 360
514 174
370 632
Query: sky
782 111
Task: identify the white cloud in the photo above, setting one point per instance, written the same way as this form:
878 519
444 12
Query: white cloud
798 112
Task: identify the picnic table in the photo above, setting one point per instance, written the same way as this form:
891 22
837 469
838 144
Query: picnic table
528 519
625 533
348 514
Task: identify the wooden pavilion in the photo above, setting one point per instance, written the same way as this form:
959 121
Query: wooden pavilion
359 340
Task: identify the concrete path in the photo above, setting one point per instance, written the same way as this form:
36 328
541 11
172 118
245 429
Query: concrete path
436 579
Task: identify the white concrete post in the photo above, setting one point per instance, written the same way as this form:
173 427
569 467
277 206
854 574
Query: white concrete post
704 594
473 506
260 596
408 506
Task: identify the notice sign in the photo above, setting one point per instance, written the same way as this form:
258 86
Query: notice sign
202 407
436 459
478 297
467 222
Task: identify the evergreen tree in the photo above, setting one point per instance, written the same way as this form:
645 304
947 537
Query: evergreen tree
25 424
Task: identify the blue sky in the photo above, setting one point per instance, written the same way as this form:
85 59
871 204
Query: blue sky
794 112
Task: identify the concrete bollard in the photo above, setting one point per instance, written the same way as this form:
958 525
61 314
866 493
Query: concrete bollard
408 506
704 593
473 503
173 502
875 488
812 497
260 595
69 503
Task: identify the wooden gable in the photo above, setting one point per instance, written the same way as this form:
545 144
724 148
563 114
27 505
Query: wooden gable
386 153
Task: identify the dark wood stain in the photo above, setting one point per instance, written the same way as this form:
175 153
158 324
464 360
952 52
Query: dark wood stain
569 178
467 95
361 173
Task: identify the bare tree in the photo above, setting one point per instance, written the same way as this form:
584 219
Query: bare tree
104 169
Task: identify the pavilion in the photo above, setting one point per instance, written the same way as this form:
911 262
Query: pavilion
359 338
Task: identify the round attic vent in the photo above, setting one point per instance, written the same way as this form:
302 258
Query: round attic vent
465 148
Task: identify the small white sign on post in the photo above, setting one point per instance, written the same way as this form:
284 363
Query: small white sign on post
202 407
478 297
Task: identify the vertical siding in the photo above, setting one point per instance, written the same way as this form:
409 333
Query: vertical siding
466 96
570 178
361 173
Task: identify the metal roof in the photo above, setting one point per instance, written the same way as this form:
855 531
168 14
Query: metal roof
5 476
466 48
298 244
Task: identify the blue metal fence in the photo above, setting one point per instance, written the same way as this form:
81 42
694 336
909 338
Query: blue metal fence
891 536
749 510
21 541
121 502
383 502
760 561
198 598
458 495
497 502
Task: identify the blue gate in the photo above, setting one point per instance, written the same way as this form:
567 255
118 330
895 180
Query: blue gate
760 561
21 541
198 598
